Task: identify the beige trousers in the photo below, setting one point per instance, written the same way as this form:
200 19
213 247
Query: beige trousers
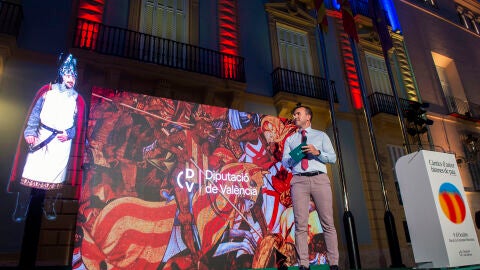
318 187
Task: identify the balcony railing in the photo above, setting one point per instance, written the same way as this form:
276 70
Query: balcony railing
463 109
383 103
289 81
11 16
427 3
125 43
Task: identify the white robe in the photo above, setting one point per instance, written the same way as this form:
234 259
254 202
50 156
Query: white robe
49 164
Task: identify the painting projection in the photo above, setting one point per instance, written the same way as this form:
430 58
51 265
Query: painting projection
177 185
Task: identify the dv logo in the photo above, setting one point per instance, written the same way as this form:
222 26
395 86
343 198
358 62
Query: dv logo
189 174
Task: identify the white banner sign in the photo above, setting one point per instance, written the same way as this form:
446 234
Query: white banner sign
437 211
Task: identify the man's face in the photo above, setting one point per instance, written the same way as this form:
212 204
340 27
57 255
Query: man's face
302 119
69 80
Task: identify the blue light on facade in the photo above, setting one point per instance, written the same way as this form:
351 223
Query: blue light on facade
391 14
335 4
386 4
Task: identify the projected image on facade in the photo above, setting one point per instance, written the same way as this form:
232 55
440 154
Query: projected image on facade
50 148
177 185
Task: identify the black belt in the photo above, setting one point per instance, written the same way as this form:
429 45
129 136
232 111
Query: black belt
50 129
47 140
310 173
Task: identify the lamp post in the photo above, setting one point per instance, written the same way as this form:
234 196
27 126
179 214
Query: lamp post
348 218
389 219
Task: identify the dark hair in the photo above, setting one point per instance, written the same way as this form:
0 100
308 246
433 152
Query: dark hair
308 110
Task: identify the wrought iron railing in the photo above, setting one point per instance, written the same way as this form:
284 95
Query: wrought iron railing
474 168
289 81
383 103
427 3
462 108
147 48
11 16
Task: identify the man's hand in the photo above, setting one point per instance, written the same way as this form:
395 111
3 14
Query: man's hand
32 140
310 149
63 137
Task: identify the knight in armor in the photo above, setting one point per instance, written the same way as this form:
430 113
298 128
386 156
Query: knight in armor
45 149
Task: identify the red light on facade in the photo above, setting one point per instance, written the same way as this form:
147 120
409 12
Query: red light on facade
228 36
229 67
92 12
351 72
88 34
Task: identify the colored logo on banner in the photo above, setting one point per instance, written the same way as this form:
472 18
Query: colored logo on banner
452 203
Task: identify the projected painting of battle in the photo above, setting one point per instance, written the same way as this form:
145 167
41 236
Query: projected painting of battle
177 185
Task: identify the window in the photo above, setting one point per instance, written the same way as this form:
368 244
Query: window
165 18
164 23
395 152
451 85
468 19
293 44
474 22
442 76
294 50
377 71
471 147
474 168
429 3
464 20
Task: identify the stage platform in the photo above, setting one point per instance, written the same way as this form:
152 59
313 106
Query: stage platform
326 267
313 267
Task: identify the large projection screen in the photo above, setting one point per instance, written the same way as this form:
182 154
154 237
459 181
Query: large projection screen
177 185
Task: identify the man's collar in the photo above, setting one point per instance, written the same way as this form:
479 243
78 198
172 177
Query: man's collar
307 129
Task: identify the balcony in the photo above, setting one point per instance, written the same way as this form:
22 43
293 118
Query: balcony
463 109
383 103
289 81
146 48
11 16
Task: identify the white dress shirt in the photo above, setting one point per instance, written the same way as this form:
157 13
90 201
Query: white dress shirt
320 140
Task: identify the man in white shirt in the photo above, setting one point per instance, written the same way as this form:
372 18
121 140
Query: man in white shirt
310 179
